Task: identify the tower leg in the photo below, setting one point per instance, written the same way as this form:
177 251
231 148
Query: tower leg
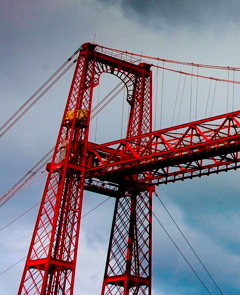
51 261
128 266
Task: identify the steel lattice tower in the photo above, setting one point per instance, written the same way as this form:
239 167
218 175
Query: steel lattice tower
51 261
126 169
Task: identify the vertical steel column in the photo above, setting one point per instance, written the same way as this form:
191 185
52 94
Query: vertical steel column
51 261
128 266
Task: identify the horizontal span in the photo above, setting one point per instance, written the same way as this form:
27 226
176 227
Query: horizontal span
185 151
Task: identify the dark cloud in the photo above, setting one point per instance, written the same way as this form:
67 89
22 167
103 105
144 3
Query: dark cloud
187 13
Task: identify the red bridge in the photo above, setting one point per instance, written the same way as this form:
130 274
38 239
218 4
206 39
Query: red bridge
125 169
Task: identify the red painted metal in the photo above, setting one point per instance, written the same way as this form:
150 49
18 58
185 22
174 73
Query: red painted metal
125 169
190 150
128 266
51 261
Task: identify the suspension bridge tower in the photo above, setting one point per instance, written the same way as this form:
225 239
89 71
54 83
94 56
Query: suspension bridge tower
126 169
51 261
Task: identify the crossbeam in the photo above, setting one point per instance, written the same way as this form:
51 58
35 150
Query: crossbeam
189 150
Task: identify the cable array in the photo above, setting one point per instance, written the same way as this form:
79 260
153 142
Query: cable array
90 211
186 240
29 176
34 171
38 94
131 54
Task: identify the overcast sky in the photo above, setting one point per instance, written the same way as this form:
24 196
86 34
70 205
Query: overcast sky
36 37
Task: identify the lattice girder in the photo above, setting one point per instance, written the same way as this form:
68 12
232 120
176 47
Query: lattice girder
128 268
51 261
194 149
125 169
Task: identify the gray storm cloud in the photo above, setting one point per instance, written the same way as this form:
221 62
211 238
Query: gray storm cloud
181 13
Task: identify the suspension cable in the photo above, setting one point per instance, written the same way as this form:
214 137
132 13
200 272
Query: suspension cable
180 107
23 185
21 215
37 95
214 95
174 61
156 97
162 93
13 265
97 206
181 253
46 158
196 106
199 76
228 91
174 243
26 178
169 214
122 119
208 97
233 91
97 109
176 99
96 123
39 90
191 91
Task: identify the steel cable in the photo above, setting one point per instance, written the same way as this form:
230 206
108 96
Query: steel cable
27 177
40 89
176 246
29 211
181 253
14 121
198 258
173 61
47 157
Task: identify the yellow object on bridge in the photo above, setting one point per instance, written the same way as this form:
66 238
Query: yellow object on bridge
81 115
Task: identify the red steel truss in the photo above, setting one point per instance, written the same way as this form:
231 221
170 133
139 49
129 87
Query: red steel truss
51 261
125 169
194 149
